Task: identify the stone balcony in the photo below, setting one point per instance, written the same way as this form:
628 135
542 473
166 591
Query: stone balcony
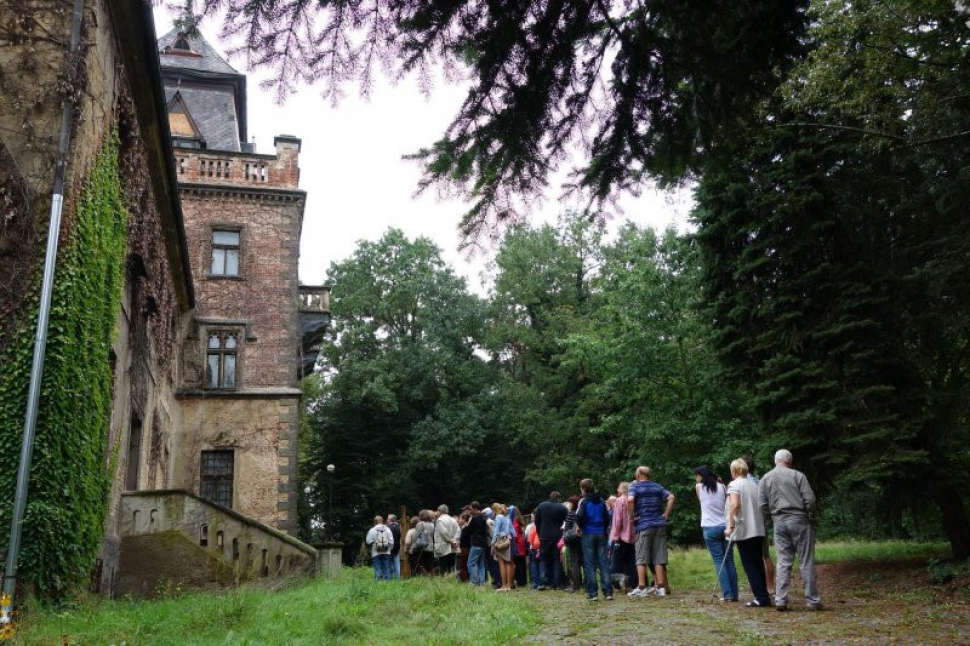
222 167
314 321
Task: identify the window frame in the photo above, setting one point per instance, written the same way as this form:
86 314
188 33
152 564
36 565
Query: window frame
213 246
213 480
222 352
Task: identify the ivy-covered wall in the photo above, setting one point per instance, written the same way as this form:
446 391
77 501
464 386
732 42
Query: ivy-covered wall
69 480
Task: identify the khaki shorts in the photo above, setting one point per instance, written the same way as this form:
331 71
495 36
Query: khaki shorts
652 546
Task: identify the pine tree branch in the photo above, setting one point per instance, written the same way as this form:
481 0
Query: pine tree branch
833 126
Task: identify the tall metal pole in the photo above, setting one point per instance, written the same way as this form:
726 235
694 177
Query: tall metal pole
40 340
330 469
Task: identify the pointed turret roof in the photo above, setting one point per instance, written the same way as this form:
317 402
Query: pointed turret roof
199 56
210 90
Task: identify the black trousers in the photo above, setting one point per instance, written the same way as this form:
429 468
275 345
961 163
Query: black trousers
754 566
446 564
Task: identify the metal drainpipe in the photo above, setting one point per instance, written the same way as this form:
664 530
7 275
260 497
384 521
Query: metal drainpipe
40 341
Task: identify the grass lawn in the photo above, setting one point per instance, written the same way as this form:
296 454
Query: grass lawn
872 592
350 610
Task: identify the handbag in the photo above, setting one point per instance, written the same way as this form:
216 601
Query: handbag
573 536
502 542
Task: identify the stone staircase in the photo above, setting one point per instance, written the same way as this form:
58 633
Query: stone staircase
174 539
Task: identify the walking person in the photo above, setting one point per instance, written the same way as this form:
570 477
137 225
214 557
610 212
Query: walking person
380 540
502 536
478 540
572 536
592 518
746 526
786 496
549 518
713 498
623 538
395 528
650 507
446 535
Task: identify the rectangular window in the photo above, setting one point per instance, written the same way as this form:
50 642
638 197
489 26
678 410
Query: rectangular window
225 253
134 455
220 360
216 480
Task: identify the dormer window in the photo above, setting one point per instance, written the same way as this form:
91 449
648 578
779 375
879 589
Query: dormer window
182 43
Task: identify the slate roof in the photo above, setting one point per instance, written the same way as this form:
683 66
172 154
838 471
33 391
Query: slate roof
213 109
213 91
208 61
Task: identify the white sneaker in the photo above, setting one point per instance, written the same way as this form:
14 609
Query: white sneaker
637 592
652 590
661 592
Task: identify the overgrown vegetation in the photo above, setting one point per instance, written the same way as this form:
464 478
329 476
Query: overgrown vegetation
69 480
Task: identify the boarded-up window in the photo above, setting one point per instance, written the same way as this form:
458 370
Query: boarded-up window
216 482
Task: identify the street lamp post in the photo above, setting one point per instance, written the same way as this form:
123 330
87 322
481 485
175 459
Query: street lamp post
330 469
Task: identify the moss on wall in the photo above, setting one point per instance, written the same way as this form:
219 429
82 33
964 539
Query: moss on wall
69 479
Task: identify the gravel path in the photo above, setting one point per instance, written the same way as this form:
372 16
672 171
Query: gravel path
883 607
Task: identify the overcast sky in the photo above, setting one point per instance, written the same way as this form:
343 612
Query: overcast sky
357 183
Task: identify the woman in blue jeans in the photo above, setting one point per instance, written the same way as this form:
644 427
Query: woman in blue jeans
713 496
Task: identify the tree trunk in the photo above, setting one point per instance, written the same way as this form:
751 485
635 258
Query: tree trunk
949 498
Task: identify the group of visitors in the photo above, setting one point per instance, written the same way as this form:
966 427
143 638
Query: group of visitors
618 542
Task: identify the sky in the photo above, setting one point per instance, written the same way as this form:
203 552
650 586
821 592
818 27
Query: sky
357 183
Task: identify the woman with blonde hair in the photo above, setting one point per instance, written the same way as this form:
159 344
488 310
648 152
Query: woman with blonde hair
503 533
746 529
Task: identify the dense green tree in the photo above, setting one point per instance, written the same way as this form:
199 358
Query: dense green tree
835 240
401 389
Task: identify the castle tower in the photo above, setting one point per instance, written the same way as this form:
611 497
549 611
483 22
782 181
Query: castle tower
244 352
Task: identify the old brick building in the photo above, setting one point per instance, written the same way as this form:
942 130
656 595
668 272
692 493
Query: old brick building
241 360
212 332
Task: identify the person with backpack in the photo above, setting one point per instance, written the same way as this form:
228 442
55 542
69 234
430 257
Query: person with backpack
380 540
549 518
592 519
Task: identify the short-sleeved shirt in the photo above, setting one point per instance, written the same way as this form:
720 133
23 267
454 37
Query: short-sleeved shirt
649 500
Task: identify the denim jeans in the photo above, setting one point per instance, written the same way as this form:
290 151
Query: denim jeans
716 545
534 568
382 567
594 555
396 566
476 565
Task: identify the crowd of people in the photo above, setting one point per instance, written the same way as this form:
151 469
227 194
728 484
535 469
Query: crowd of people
619 542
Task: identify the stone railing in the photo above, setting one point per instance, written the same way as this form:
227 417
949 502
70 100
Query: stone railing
314 298
247 547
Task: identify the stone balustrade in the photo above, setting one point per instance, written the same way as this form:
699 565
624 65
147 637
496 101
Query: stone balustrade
240 546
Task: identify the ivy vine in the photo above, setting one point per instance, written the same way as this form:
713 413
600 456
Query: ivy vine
69 481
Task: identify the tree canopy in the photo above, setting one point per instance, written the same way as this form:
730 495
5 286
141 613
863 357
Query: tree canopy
828 142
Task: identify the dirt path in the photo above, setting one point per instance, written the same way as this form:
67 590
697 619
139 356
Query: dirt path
875 603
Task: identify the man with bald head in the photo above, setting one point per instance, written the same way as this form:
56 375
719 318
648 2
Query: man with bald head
785 496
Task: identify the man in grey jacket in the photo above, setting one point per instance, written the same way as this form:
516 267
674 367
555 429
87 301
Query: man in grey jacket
785 496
